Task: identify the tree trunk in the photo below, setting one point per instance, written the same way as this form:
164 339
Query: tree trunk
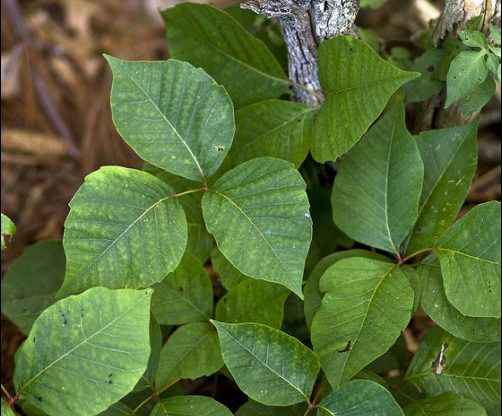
305 24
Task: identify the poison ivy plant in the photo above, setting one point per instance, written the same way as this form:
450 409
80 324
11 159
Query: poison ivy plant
271 257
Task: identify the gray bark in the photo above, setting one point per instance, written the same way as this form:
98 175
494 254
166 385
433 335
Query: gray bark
457 13
305 24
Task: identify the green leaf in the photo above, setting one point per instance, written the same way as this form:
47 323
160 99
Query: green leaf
94 345
447 404
437 306
192 351
426 86
184 296
200 243
417 284
269 366
8 229
450 159
173 115
467 71
30 284
366 306
229 276
473 39
251 408
360 398
253 301
274 128
470 261
259 215
6 409
313 295
117 409
190 406
478 98
126 228
147 381
211 39
468 369
376 193
355 95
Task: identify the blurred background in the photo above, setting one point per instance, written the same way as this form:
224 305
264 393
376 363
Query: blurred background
56 122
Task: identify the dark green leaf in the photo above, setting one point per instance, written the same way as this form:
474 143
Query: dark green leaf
450 159
31 283
173 115
125 229
360 398
376 193
211 39
479 97
253 301
259 215
437 306
470 256
269 366
192 351
366 306
94 345
190 406
355 95
467 369
229 276
447 404
184 296
256 409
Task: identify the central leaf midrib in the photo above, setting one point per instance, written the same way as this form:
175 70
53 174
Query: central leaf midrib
250 220
154 104
297 389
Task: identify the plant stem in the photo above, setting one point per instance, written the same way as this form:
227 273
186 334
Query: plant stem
403 260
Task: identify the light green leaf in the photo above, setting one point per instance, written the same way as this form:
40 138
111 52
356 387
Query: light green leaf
253 301
6 409
269 366
376 193
360 398
173 115
192 351
30 284
450 159
355 95
470 256
467 369
313 295
447 404
94 345
8 229
417 284
473 39
184 296
366 306
467 71
259 215
274 128
126 228
211 39
436 305
229 276
251 408
190 406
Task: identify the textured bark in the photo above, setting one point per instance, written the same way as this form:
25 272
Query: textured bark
305 24
458 12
